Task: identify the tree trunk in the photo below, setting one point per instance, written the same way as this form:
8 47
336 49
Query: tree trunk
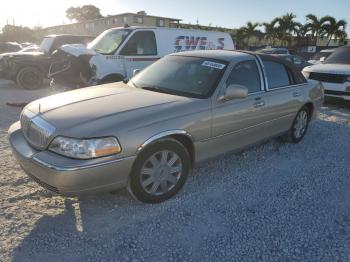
330 39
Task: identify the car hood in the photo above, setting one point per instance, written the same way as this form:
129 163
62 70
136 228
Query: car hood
77 50
329 68
116 102
22 54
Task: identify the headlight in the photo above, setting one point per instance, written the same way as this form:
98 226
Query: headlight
85 148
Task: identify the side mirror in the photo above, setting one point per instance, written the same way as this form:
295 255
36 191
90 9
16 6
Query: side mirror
234 91
322 59
135 72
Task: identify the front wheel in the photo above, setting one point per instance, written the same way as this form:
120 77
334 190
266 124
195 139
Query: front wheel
29 78
160 171
300 125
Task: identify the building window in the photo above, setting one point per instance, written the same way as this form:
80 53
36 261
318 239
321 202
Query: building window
115 20
138 19
87 26
160 22
125 19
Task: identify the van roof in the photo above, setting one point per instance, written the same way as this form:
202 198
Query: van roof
224 55
166 28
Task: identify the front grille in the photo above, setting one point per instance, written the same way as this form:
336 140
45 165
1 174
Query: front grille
337 93
43 184
36 130
329 78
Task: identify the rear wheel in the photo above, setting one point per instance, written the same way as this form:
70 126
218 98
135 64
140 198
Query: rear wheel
160 171
300 125
29 78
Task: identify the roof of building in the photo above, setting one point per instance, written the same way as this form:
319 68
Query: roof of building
112 16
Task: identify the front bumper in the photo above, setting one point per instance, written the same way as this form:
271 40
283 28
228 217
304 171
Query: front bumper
337 90
69 176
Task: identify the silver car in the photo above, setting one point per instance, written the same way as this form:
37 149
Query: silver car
146 135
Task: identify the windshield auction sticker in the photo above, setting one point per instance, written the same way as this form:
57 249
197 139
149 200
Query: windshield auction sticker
213 65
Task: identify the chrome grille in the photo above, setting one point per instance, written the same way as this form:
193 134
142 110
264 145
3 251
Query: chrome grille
36 130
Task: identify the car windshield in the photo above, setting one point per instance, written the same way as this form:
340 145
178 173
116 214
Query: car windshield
340 56
181 75
319 55
109 41
46 44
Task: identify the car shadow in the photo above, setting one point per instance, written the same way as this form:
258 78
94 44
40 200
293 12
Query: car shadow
104 226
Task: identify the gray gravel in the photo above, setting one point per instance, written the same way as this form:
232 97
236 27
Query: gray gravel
273 202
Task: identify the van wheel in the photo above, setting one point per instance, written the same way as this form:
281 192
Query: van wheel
160 171
299 126
29 78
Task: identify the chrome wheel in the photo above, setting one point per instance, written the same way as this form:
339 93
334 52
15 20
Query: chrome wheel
300 124
161 172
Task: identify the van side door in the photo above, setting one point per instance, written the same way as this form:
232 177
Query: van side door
139 51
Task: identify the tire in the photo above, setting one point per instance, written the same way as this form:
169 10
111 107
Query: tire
154 180
29 78
299 126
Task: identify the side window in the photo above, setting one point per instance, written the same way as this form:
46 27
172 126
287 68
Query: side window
245 74
298 60
140 43
277 74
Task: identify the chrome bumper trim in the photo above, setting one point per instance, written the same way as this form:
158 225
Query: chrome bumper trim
66 169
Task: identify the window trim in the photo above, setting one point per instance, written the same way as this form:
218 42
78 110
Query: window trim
130 36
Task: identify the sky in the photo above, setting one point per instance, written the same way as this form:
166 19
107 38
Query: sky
225 13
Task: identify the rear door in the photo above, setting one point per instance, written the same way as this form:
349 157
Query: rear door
284 95
240 122
139 51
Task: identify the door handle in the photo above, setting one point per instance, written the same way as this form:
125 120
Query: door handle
259 104
296 94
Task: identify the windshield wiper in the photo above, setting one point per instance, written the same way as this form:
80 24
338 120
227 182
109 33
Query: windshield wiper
159 90
151 88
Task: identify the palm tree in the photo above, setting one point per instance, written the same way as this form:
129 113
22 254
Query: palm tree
270 31
287 26
315 25
250 30
334 29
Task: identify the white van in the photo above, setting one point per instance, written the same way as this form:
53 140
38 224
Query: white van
116 53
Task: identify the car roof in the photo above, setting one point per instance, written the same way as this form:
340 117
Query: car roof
224 55
327 51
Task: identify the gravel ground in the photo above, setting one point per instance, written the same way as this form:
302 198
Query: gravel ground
273 202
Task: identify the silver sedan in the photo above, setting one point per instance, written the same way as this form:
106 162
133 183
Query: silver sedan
146 135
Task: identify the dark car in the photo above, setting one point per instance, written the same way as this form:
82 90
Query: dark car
275 51
9 47
298 61
28 69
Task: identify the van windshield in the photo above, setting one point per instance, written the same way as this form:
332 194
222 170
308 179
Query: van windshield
109 41
46 44
181 75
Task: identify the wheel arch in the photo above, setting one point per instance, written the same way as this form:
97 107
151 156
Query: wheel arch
310 107
181 136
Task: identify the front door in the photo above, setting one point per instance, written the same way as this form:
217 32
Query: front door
139 51
240 122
